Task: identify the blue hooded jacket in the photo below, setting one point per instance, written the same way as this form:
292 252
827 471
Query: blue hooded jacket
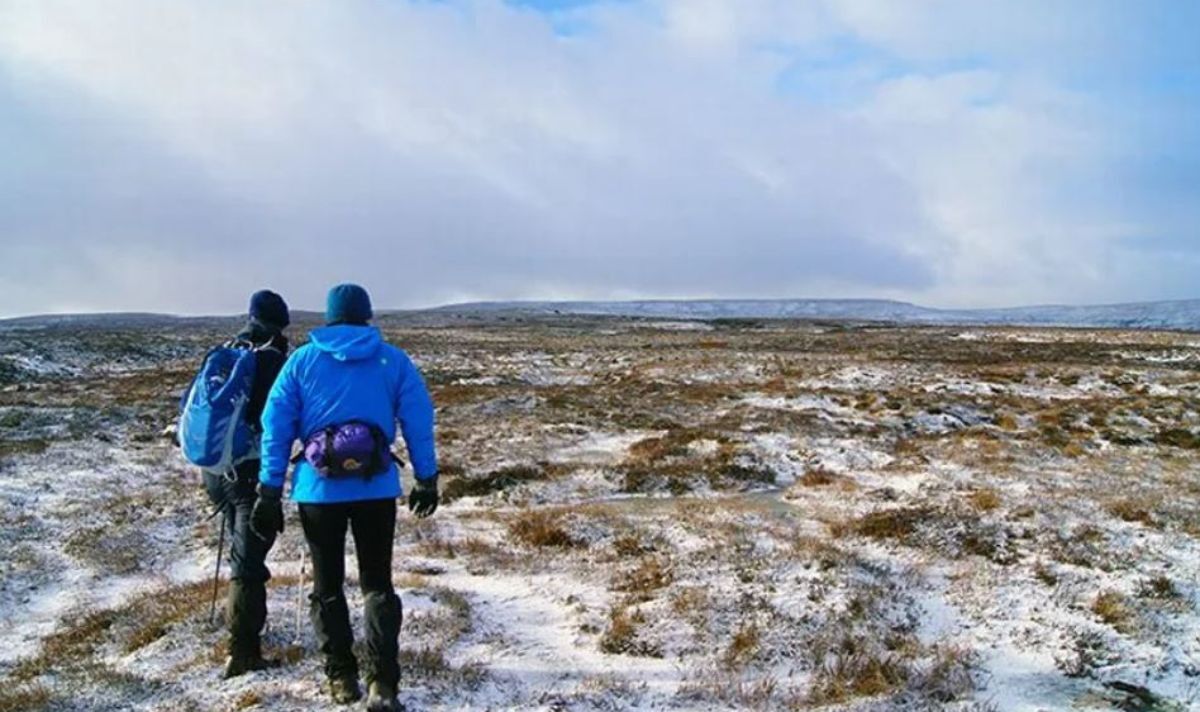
346 373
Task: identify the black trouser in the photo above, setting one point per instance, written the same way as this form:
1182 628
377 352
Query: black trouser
373 523
246 607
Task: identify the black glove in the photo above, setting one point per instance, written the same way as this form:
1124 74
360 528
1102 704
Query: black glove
266 519
423 500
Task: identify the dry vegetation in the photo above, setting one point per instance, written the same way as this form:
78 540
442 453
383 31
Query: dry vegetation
738 515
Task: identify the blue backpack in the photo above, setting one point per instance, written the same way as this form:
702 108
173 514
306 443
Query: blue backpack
213 431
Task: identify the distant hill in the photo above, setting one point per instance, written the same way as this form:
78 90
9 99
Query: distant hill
1183 314
1177 315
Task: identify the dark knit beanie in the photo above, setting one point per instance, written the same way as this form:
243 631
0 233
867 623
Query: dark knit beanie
348 304
269 308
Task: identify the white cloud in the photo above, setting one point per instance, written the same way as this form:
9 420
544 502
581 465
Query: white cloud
436 150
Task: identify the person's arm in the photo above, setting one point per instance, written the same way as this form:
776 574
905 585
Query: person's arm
281 426
414 409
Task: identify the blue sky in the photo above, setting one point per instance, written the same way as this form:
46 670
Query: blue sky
174 157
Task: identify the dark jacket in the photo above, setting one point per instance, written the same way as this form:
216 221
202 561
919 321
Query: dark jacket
272 352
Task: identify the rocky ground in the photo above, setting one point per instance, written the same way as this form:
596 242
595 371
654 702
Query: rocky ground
651 515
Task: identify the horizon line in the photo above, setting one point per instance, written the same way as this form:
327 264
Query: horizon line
654 300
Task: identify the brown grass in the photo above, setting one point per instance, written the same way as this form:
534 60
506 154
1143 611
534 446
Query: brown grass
431 664
899 523
743 647
541 528
1007 422
950 677
1178 437
14 448
1113 608
494 481
621 637
984 500
819 477
140 622
68 645
247 700
641 582
858 675
1139 510
1159 588
690 601
24 698
1045 574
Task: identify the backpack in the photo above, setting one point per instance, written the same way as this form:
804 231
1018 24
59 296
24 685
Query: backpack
213 431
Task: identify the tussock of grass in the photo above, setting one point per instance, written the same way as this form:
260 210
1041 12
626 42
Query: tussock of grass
690 601
1113 608
621 637
950 677
24 698
107 551
1159 588
1007 422
984 500
898 523
431 664
1045 574
247 699
858 675
743 646
630 545
495 481
953 531
1139 510
821 477
1085 545
735 690
641 582
1178 437
73 648
541 528
71 644
30 446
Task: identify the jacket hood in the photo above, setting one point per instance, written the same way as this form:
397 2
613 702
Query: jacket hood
347 343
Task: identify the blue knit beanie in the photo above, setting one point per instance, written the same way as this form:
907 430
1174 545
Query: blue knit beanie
269 308
348 304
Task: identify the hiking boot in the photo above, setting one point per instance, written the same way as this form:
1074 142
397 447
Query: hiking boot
236 665
382 698
344 690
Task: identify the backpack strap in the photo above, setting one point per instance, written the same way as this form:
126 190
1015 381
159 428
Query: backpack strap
268 346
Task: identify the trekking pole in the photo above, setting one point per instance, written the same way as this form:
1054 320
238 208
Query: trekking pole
299 595
212 610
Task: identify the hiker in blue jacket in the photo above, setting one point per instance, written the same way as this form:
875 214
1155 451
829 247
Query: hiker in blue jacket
246 605
341 395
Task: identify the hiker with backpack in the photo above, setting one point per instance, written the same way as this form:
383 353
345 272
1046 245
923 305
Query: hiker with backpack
219 430
341 395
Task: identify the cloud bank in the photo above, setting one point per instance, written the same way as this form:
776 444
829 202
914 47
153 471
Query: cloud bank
176 156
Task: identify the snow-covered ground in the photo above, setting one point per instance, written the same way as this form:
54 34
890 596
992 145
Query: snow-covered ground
643 516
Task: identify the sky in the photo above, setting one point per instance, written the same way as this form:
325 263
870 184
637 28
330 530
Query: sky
174 157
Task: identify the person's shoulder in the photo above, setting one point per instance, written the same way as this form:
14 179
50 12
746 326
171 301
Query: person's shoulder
394 352
397 356
302 353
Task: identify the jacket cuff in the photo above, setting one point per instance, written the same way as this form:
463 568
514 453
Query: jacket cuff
269 492
271 480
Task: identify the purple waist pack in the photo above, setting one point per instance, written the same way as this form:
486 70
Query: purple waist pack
353 449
